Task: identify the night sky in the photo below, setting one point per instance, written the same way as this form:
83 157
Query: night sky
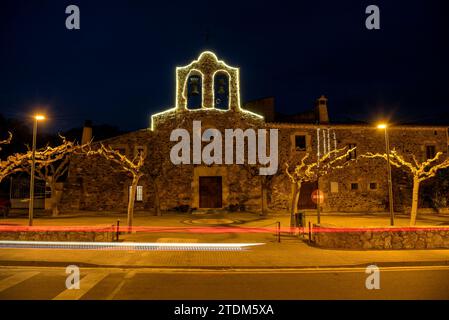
119 68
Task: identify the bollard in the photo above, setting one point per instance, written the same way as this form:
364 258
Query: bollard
118 228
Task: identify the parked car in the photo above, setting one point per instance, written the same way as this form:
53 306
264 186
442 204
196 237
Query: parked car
5 206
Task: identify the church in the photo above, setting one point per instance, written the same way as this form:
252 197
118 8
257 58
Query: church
208 91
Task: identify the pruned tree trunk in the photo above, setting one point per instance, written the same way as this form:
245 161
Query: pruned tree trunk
293 207
131 201
415 198
298 192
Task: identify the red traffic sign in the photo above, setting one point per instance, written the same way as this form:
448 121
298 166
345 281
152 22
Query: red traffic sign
317 196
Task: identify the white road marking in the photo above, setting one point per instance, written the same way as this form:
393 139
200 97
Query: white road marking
129 275
86 283
16 279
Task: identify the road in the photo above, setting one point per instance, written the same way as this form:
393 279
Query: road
341 283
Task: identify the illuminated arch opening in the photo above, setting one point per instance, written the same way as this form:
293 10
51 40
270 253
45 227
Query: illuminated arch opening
194 90
221 90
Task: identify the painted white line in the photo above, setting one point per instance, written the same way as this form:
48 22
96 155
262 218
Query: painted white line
16 279
129 275
86 283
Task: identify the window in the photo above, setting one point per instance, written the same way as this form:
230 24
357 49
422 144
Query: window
334 187
373 186
353 154
139 193
430 152
354 186
300 143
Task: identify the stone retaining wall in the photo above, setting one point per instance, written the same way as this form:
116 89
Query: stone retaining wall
381 238
85 236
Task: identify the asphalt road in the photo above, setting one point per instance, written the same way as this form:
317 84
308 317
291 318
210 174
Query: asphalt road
348 283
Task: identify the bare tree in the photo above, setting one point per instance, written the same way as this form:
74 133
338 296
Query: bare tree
51 164
131 166
310 170
7 140
420 171
13 163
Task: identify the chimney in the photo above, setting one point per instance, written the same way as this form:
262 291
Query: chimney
321 110
87 132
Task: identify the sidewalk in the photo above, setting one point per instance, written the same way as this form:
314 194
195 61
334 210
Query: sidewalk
269 255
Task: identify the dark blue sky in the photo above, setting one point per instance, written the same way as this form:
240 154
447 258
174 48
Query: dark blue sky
119 68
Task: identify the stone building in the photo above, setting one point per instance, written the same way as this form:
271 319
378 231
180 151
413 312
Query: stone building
207 90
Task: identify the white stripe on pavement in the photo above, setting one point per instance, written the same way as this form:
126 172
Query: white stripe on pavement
128 276
16 279
86 283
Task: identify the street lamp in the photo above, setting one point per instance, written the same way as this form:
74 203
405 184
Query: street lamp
384 126
37 117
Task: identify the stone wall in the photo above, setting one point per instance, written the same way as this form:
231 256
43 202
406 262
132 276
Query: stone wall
88 236
381 238
96 184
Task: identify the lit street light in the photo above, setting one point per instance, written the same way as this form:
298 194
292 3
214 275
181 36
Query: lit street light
390 183
37 118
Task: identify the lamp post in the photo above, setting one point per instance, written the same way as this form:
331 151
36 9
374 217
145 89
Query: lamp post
390 183
33 165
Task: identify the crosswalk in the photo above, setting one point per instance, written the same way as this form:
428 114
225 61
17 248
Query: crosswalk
15 279
88 282
43 284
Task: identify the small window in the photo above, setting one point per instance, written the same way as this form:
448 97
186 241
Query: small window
430 152
300 143
353 154
373 186
354 186
139 193
334 187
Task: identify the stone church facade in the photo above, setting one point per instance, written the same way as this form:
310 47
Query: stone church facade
208 90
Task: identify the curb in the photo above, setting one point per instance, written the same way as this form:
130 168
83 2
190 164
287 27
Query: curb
386 264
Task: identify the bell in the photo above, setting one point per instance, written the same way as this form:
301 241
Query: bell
194 87
221 86
195 90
